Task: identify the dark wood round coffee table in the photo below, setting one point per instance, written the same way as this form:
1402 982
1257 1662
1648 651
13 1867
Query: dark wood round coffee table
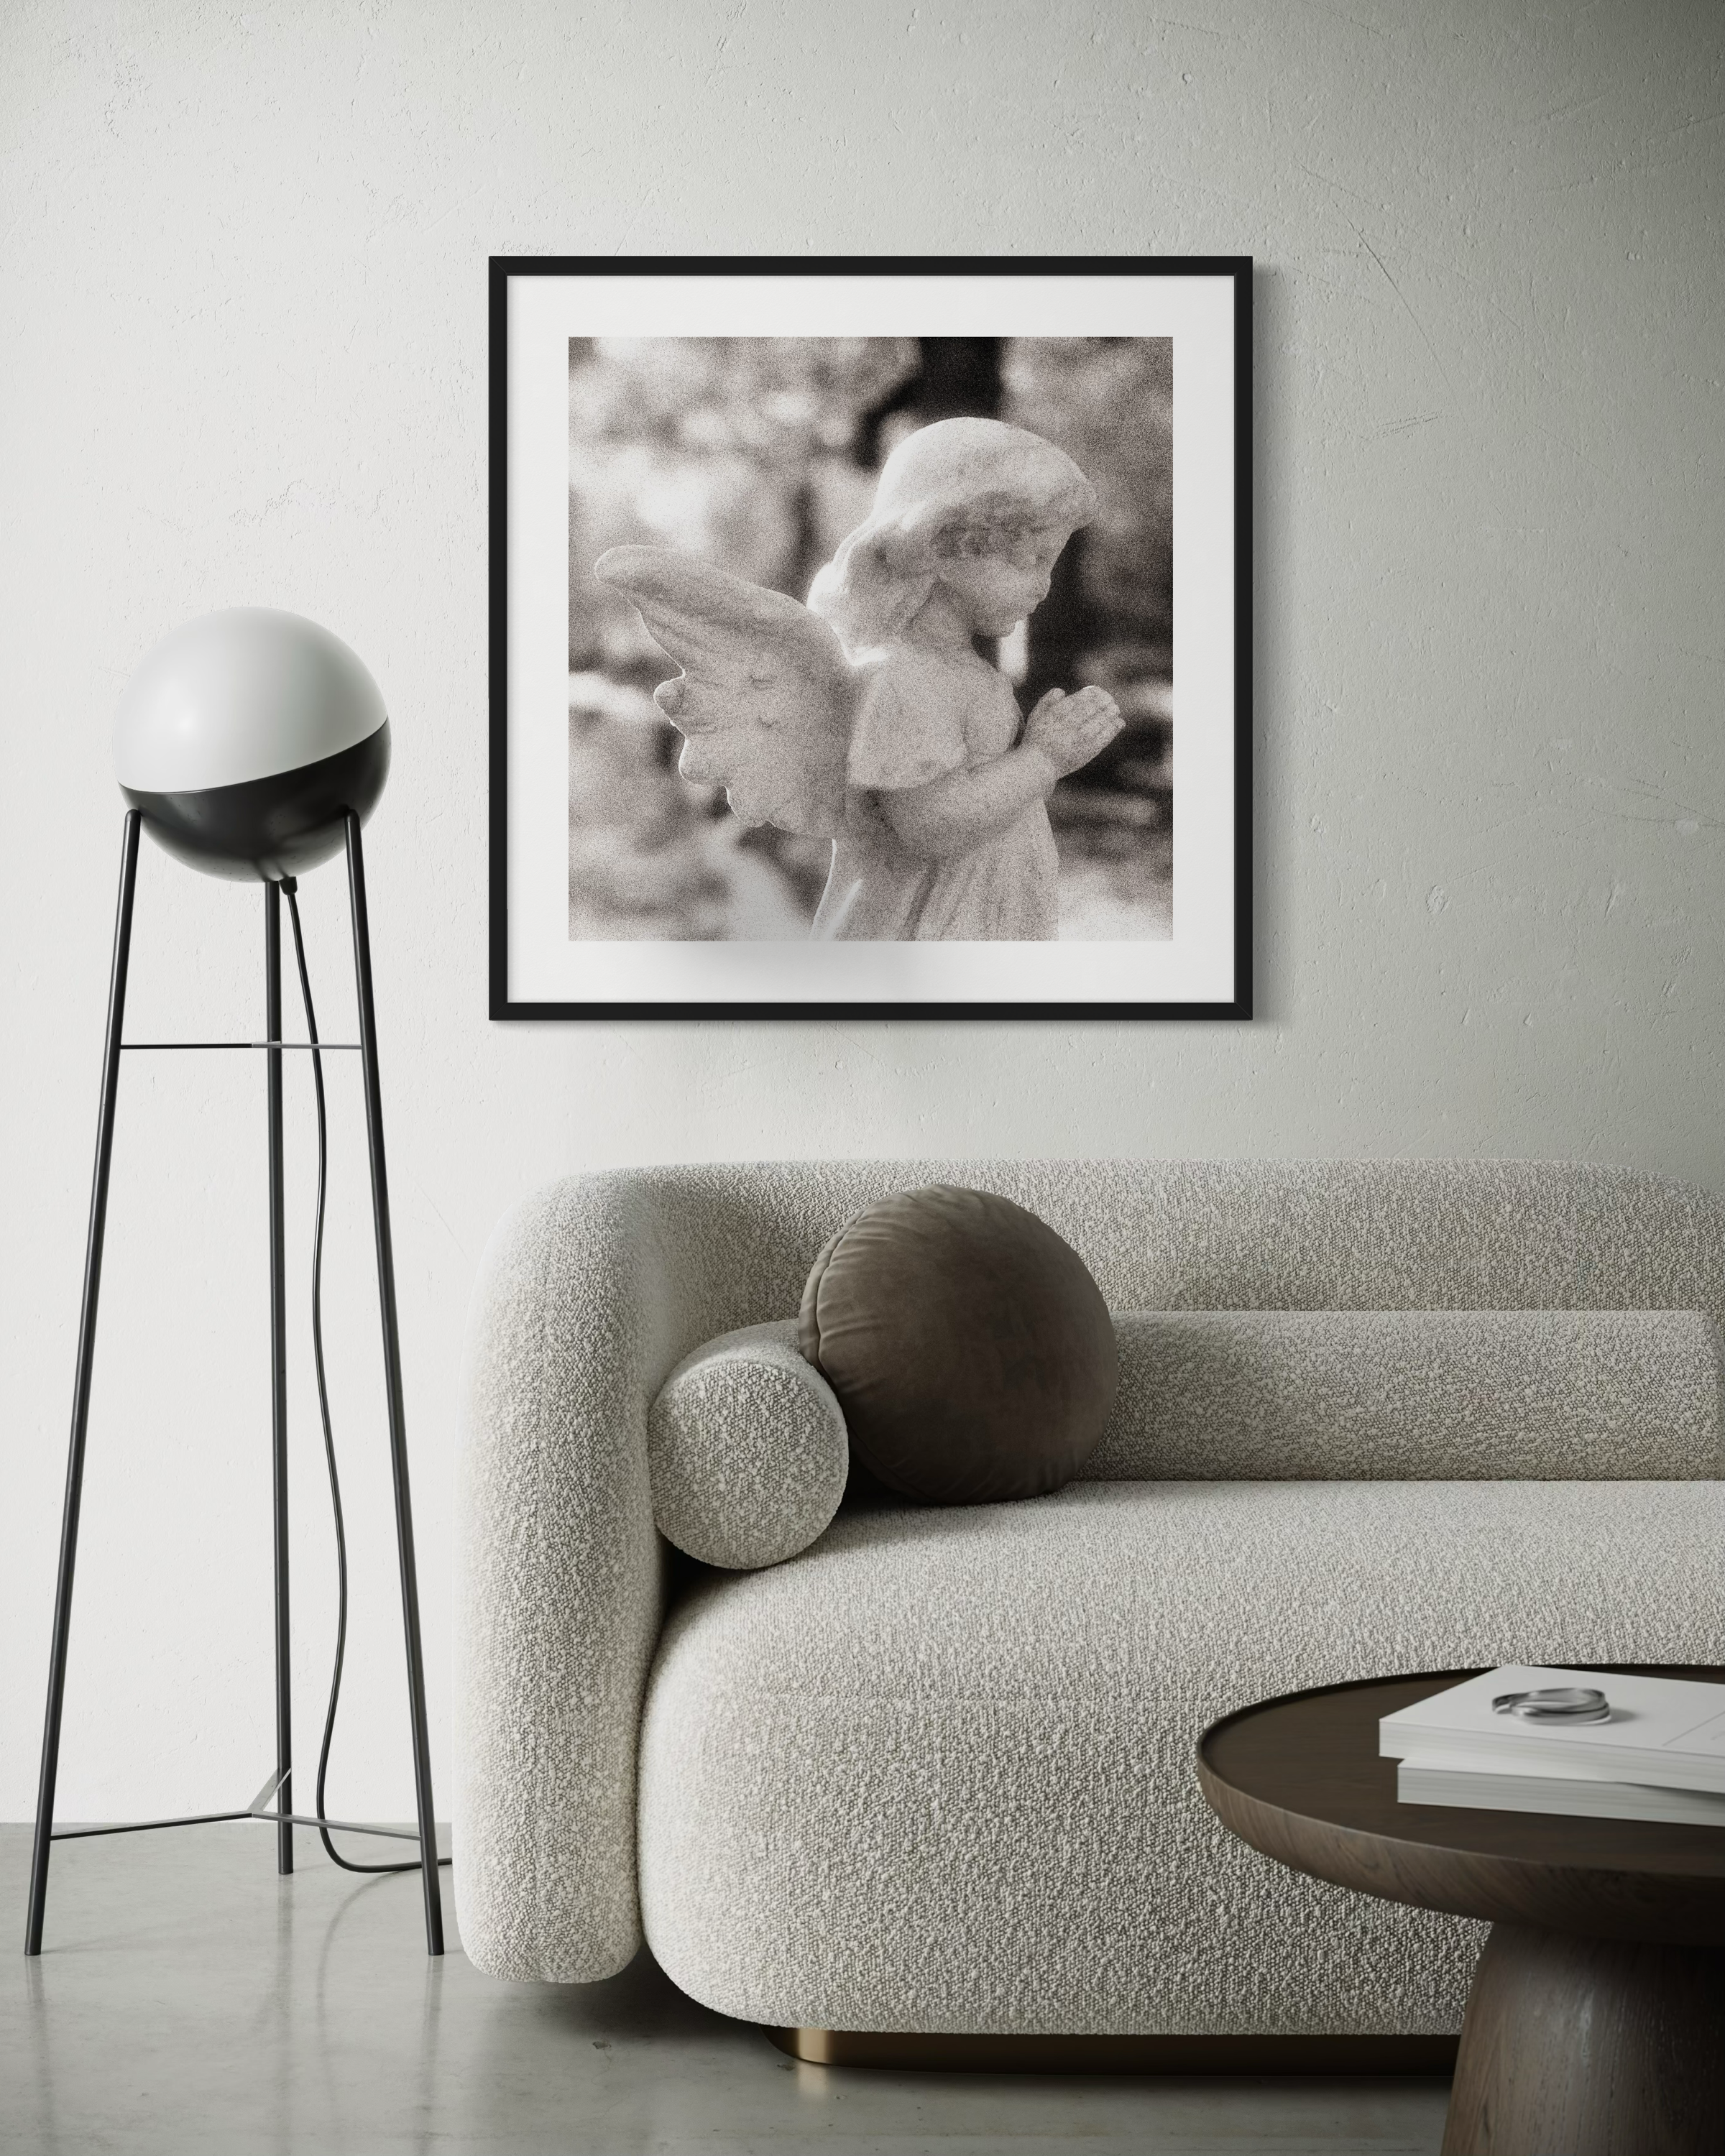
1596 2021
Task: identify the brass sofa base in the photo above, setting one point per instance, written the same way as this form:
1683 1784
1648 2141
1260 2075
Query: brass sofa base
1120 2055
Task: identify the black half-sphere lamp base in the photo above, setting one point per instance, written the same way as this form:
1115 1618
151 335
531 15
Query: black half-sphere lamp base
261 829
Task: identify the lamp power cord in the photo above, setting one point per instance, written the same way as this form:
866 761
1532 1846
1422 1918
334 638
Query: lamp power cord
289 889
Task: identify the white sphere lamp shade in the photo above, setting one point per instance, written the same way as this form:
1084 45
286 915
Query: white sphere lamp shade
245 737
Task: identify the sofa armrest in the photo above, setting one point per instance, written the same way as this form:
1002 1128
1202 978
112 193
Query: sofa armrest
559 1590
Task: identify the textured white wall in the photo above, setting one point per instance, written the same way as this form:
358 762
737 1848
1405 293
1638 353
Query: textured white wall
242 252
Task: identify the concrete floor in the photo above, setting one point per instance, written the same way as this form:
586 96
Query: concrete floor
191 2004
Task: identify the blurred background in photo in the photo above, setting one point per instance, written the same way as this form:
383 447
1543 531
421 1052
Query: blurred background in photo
761 454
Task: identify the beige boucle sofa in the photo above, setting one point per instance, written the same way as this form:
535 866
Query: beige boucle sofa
935 1773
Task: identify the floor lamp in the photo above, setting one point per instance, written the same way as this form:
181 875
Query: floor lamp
252 745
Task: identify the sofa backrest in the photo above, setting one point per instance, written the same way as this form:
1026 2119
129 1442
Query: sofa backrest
1312 1236
1229 1234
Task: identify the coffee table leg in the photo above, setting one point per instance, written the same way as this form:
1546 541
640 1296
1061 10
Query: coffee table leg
1590 2047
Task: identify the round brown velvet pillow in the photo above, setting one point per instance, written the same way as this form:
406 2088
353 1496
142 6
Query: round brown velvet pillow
970 1349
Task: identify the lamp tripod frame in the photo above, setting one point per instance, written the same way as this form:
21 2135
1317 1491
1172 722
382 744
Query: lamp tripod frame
274 1801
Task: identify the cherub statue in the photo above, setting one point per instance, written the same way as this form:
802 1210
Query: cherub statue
867 717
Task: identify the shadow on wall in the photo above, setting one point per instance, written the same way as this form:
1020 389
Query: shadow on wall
1273 542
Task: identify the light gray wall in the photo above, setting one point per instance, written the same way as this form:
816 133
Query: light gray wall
241 256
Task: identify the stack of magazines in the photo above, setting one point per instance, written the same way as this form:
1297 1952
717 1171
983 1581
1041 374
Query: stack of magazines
1579 1741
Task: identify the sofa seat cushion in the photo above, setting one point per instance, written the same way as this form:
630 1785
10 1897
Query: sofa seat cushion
935 1773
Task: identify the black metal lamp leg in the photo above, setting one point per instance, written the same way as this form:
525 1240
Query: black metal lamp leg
391 1378
278 1375
80 1388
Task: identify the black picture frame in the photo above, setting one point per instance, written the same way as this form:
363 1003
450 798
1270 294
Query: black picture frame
1236 271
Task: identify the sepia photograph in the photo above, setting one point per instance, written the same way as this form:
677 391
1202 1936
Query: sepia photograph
958 727
871 641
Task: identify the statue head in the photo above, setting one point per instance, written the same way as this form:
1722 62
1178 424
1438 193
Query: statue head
951 492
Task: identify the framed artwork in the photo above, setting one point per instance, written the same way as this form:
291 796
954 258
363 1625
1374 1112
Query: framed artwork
870 637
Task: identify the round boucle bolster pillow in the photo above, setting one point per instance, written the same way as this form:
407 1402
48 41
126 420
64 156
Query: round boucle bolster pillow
746 1450
971 1351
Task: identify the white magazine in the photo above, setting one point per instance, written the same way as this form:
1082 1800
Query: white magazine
1666 1732
1485 1788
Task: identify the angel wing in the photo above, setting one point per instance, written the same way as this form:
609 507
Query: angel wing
766 696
